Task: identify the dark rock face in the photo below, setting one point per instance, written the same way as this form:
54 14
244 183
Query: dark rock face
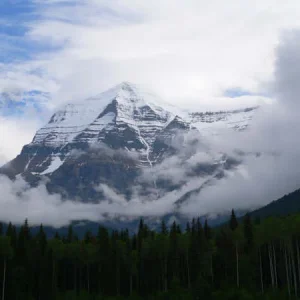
80 178
111 139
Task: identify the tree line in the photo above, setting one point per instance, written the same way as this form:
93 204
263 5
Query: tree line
243 259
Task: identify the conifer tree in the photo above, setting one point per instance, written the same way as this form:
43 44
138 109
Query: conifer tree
26 230
248 232
208 263
6 252
88 237
207 230
57 236
233 223
9 229
23 243
163 227
11 232
42 239
57 251
70 237
188 227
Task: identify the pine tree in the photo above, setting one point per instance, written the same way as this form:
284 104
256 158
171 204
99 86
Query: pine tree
203 264
26 230
141 226
174 250
207 230
23 243
57 249
6 253
248 232
70 237
163 227
104 260
199 225
233 223
88 237
42 239
57 236
188 227
142 233
193 226
9 230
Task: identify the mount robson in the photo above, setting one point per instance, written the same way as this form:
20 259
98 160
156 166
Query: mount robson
129 149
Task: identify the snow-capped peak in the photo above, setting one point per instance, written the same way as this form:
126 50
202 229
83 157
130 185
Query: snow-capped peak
126 113
125 103
127 92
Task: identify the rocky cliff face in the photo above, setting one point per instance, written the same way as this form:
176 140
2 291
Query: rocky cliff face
114 137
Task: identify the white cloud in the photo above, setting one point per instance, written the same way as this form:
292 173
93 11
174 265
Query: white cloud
191 49
14 134
275 133
18 202
183 50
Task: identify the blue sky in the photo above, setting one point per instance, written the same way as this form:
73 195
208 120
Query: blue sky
15 17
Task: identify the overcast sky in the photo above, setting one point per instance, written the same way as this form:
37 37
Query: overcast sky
203 54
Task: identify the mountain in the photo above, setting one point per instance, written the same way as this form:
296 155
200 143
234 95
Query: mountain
123 138
288 204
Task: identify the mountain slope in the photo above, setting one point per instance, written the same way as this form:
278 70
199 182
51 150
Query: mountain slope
288 204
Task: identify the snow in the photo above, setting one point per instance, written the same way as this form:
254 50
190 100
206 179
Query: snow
147 151
54 165
29 161
215 123
137 108
73 119
103 123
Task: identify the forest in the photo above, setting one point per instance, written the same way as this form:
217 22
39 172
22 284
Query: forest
244 259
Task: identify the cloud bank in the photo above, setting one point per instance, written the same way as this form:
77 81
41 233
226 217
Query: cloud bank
274 134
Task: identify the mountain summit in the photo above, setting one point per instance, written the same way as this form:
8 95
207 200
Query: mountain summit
122 117
109 139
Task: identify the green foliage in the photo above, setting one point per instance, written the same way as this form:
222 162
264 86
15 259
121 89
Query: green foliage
248 233
233 223
6 250
233 294
251 261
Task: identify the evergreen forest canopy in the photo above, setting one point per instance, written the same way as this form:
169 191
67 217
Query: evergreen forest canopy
240 260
